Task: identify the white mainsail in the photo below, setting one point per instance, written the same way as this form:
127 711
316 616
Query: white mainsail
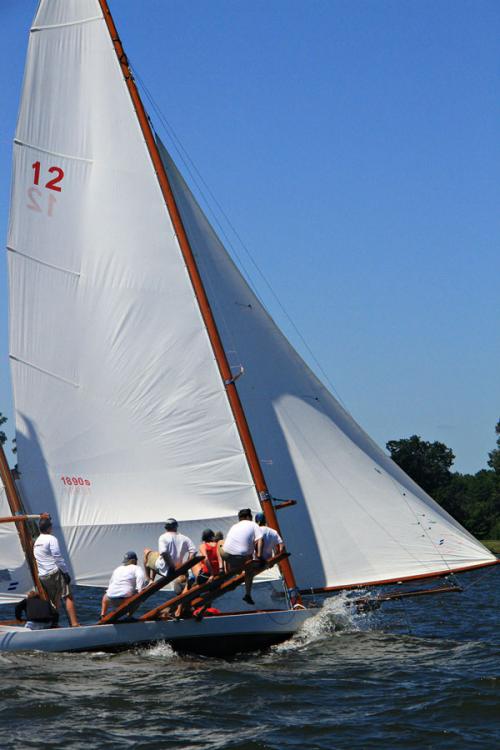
359 517
15 577
121 414
122 417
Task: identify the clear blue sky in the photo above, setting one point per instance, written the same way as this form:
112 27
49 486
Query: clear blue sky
354 145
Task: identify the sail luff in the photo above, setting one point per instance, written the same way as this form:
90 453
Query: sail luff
200 293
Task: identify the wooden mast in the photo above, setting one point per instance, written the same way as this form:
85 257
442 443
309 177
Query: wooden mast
16 508
201 296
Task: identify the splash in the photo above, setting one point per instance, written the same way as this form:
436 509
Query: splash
159 650
336 614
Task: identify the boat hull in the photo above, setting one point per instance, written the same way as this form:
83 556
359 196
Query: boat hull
222 635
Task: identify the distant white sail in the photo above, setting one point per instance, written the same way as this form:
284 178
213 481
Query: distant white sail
121 414
359 517
15 577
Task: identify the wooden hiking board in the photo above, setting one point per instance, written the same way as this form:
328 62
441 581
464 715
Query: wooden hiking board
157 585
204 594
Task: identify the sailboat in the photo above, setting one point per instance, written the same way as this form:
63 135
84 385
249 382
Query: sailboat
149 381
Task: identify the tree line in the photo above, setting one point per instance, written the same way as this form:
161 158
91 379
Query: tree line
473 499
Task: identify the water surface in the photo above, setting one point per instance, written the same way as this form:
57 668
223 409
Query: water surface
422 673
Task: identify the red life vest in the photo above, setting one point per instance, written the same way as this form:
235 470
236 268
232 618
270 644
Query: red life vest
211 548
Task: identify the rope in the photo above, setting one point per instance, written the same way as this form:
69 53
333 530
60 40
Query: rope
194 171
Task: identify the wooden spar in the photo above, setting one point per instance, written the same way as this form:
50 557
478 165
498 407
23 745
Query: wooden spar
17 519
157 585
200 293
187 596
285 504
365 584
365 603
204 601
422 592
205 593
16 507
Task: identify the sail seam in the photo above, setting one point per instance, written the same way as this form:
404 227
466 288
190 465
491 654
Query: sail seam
43 262
68 23
45 372
18 142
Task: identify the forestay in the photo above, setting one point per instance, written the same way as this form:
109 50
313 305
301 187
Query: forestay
359 518
121 414
15 577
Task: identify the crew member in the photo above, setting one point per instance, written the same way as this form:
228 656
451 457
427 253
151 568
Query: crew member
212 564
272 543
174 549
242 541
53 571
127 579
40 614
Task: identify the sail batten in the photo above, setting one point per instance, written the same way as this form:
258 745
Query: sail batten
67 23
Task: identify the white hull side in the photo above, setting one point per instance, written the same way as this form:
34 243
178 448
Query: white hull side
246 629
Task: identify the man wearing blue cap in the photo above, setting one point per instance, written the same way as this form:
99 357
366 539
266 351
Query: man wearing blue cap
127 579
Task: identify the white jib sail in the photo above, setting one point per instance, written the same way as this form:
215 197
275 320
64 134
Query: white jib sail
359 517
121 414
15 577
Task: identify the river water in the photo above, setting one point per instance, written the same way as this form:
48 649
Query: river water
420 673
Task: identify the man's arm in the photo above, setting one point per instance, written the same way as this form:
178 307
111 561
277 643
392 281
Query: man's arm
140 579
191 548
56 554
258 548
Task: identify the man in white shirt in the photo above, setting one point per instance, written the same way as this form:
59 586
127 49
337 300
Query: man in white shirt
127 579
272 543
242 543
53 571
174 549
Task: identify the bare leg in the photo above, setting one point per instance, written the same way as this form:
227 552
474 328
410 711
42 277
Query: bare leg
104 605
150 572
71 611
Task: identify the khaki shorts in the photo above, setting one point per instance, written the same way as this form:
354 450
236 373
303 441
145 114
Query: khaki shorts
55 586
235 563
180 584
151 559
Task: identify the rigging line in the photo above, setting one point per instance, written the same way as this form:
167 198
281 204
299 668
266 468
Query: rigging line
186 160
268 284
401 490
476 580
210 283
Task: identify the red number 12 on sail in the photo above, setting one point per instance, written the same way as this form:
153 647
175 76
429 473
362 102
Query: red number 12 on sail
51 184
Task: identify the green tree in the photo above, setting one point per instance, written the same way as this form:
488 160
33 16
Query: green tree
428 464
3 436
494 456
